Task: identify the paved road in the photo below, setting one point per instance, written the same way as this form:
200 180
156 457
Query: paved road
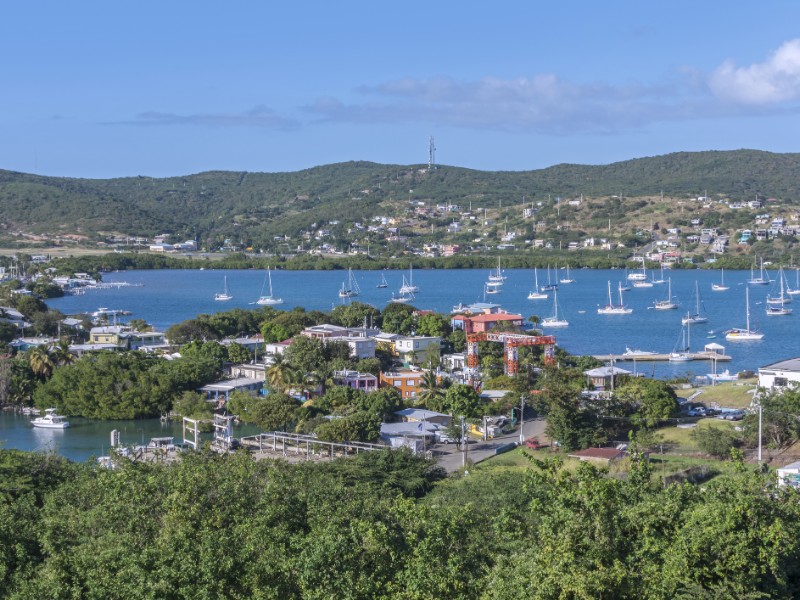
452 459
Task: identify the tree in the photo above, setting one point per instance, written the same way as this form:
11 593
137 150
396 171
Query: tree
434 325
432 392
398 318
716 441
650 401
239 354
280 374
41 362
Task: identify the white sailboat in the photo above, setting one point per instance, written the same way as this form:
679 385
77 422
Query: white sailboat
762 279
404 295
269 299
696 316
642 282
668 303
720 287
744 335
776 307
350 287
614 309
224 294
497 278
554 321
661 279
782 297
796 289
408 287
535 293
683 354
567 279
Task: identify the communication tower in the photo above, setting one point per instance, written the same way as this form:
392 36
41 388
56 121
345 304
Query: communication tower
431 155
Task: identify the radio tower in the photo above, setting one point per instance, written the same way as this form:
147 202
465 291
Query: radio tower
431 155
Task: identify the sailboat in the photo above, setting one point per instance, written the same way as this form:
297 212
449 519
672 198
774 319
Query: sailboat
782 298
383 283
796 289
223 295
550 284
744 335
641 282
350 287
683 354
408 287
661 279
762 279
567 279
720 287
554 321
403 296
497 278
535 293
696 316
667 303
614 309
776 307
268 300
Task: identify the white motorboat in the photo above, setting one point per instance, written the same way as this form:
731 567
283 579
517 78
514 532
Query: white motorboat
535 293
614 309
224 294
50 420
726 375
269 299
497 278
635 353
738 334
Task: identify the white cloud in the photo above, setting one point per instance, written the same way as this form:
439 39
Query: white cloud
258 116
774 81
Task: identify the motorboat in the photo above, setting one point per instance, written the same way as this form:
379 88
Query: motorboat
636 353
50 420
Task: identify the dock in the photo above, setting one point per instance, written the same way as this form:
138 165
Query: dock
655 357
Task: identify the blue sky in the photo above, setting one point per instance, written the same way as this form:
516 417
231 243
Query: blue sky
110 89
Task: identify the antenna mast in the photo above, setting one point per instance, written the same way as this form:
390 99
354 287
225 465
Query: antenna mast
431 155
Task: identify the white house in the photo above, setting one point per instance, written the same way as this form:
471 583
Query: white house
780 374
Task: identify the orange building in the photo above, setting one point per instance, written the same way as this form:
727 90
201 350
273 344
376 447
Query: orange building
406 381
487 322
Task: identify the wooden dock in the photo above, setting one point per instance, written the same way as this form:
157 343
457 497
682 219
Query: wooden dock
710 356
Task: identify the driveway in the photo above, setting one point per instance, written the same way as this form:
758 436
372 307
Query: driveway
452 459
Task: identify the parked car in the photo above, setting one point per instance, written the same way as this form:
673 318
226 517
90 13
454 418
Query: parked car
443 438
534 444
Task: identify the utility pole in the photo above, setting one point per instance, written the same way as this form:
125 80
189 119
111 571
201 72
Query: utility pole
521 418
759 431
463 441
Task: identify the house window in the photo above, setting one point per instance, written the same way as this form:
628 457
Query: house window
781 381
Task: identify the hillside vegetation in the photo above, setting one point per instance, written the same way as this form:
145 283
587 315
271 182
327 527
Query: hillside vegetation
254 208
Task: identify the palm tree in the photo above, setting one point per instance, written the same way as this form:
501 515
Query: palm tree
280 374
41 362
432 392
61 355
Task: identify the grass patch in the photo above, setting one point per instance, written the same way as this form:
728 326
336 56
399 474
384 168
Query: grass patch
730 394
682 437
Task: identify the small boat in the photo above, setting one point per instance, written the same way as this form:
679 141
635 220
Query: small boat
383 283
641 281
683 354
535 293
720 287
629 352
726 375
667 303
796 289
402 298
491 287
50 420
497 278
762 279
550 285
224 294
614 309
554 321
408 287
738 334
567 279
350 287
268 300
696 316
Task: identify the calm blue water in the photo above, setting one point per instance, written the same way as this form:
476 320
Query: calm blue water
168 297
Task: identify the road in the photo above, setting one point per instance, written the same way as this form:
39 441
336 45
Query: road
452 459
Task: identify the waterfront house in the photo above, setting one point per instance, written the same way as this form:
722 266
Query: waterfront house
780 375
219 393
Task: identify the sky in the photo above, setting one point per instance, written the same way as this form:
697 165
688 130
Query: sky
116 89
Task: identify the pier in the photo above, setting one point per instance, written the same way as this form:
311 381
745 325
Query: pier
657 357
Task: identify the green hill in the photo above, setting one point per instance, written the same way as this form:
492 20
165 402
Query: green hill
254 207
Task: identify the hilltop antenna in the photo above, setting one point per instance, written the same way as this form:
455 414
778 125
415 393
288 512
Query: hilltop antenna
431 155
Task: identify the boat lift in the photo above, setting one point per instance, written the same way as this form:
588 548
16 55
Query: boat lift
511 343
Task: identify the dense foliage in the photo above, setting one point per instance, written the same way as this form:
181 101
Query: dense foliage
380 526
